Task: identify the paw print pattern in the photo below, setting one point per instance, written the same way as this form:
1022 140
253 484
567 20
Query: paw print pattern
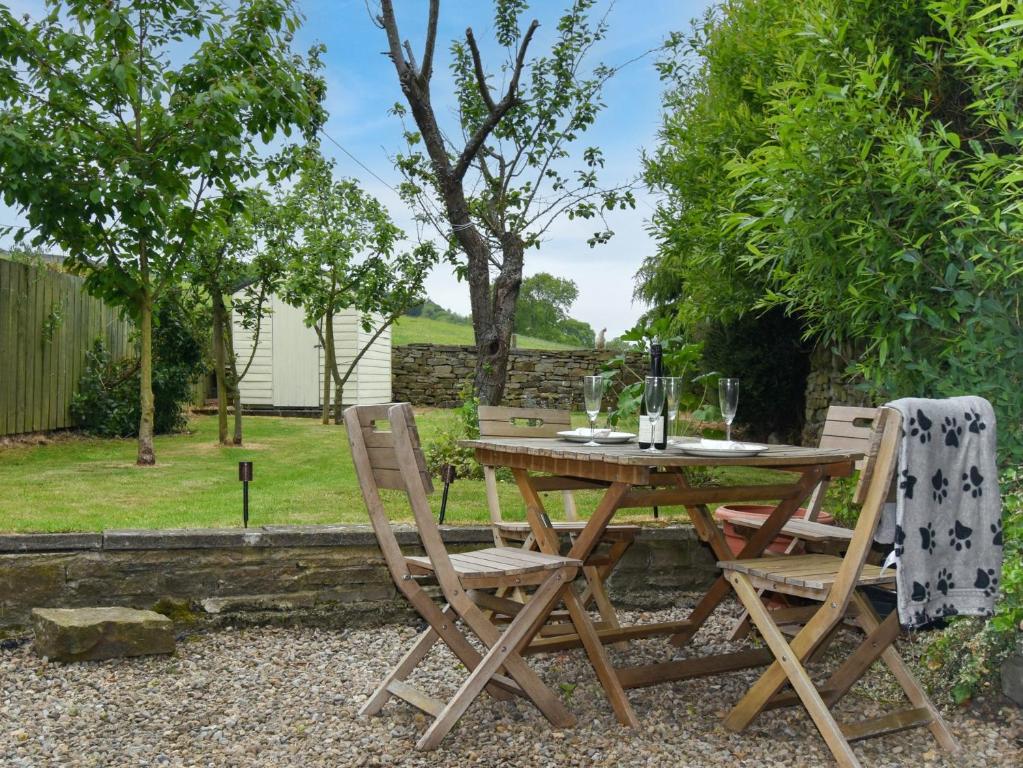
946 610
972 481
927 539
945 582
952 431
974 422
939 485
986 580
900 541
959 536
921 592
920 426
996 529
907 483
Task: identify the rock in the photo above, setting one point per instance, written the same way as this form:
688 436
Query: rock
85 634
1012 679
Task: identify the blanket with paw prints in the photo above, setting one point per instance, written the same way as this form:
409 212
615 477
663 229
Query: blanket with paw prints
946 522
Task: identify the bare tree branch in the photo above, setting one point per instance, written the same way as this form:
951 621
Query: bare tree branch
499 110
481 76
431 42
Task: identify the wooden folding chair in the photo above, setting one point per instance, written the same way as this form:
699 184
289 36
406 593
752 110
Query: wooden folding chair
836 582
393 459
846 427
500 421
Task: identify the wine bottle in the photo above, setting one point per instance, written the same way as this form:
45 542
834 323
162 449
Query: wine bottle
653 431
659 426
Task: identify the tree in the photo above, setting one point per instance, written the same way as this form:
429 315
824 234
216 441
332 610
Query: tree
342 254
864 174
543 308
122 122
495 194
240 251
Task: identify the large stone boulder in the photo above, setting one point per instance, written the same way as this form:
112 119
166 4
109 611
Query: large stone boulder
86 634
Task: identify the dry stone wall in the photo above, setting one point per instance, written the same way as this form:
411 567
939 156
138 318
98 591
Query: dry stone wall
828 384
432 374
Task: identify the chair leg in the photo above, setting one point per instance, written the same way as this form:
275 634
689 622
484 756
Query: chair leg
503 652
409 662
870 622
794 671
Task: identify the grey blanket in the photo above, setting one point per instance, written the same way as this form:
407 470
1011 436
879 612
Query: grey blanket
946 523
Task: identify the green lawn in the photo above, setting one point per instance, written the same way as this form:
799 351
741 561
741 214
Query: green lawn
303 474
425 330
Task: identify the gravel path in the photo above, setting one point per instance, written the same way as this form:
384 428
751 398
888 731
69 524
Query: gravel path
288 697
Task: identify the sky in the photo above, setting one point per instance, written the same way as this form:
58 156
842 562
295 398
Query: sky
362 86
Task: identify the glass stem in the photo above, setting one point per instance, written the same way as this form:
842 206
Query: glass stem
728 431
593 425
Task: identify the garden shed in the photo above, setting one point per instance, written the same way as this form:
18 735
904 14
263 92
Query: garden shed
287 370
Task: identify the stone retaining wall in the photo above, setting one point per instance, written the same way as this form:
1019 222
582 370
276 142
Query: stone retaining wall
432 374
828 384
333 575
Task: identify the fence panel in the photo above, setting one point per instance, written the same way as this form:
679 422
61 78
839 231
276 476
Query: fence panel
47 324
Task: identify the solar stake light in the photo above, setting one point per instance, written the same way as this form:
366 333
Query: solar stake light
245 475
448 475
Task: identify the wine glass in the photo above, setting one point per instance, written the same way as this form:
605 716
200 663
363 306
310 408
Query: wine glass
653 393
672 396
593 390
728 397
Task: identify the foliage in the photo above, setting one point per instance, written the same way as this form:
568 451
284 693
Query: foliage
496 195
865 175
679 357
766 352
544 301
424 330
118 120
107 401
444 449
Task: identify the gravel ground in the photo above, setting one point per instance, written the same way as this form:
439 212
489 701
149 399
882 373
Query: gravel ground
288 697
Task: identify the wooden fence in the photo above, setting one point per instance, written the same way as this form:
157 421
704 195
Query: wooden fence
47 324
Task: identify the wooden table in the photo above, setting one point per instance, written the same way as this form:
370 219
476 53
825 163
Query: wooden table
635 479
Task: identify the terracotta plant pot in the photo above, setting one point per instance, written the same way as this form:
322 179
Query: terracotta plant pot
736 541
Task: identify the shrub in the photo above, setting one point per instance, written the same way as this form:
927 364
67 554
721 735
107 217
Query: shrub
444 449
107 401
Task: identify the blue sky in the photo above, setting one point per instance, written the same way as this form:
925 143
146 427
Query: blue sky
362 85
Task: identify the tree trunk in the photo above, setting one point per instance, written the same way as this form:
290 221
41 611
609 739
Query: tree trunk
234 380
220 365
327 340
146 454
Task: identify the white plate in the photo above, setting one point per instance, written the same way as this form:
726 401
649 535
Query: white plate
719 448
583 436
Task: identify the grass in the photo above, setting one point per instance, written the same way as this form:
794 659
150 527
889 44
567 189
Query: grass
425 330
302 475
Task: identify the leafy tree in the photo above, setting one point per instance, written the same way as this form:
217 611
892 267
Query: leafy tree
495 194
121 123
866 177
342 253
240 251
543 308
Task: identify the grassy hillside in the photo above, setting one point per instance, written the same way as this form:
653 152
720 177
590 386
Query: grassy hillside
424 330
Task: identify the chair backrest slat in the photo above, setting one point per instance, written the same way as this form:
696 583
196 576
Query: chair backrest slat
394 459
501 421
361 423
848 428
872 493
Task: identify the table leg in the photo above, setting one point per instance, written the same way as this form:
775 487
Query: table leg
581 549
709 532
